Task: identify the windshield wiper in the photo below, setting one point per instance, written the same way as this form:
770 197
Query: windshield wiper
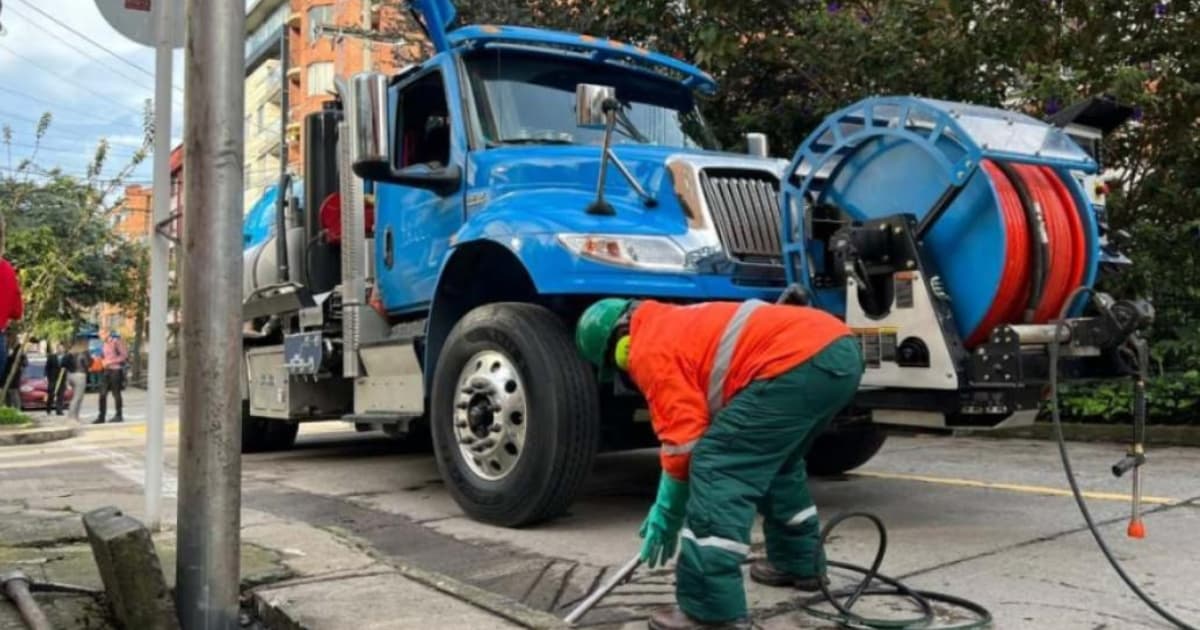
504 141
628 129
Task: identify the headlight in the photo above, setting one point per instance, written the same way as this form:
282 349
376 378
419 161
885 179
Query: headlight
25 389
657 253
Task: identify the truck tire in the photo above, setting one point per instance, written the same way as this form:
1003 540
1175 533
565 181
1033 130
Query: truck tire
515 421
844 447
261 435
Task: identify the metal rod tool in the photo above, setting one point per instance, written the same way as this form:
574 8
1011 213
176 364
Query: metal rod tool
616 580
17 587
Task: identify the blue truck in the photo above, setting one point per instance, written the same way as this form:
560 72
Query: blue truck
458 216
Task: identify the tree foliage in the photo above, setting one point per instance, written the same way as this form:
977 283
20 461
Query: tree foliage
784 66
60 238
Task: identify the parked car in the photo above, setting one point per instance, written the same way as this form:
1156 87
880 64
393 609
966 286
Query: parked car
34 386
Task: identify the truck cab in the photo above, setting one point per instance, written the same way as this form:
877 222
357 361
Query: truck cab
459 216
490 230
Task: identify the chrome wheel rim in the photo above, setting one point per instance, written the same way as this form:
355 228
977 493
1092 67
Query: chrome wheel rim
490 415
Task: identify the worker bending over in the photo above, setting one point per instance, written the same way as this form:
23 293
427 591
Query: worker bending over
737 394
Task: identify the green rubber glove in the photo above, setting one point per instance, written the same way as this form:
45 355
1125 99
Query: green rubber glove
660 530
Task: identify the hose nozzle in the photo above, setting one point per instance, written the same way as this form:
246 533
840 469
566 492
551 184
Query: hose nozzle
1132 462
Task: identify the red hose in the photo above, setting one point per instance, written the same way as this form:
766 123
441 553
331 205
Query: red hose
1067 248
1014 279
1064 249
1079 256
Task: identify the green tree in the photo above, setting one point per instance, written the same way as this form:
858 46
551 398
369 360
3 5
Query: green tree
783 67
60 236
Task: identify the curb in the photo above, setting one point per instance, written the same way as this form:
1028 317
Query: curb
36 435
1162 435
499 605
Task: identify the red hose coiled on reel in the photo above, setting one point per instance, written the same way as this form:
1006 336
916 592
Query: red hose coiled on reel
1067 247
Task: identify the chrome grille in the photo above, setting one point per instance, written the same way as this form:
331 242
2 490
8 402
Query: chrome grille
745 208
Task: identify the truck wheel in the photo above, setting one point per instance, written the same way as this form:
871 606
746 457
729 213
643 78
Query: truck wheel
260 435
514 415
845 447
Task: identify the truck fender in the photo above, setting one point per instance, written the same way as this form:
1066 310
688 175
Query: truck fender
475 273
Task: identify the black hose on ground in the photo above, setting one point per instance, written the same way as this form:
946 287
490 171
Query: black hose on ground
843 600
1070 472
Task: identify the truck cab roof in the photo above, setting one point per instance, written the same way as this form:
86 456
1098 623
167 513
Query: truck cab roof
436 16
586 46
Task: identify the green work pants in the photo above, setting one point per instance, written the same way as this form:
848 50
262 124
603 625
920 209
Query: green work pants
752 457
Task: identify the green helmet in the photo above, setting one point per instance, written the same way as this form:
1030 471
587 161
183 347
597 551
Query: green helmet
594 332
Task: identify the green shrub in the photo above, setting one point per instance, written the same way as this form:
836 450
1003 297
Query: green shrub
1172 398
10 416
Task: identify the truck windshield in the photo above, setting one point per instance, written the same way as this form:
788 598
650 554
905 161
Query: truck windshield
529 98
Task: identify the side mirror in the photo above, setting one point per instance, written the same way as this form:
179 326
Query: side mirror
756 145
592 105
366 115
443 180
370 151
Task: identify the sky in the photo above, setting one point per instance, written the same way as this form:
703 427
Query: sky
91 93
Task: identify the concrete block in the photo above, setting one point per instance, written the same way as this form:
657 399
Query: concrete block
130 570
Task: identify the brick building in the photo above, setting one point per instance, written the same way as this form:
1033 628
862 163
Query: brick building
339 38
131 221
326 39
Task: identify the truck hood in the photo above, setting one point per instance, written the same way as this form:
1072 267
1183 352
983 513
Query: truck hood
568 174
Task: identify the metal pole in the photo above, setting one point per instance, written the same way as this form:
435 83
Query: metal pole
285 62
281 190
600 593
156 380
207 575
16 587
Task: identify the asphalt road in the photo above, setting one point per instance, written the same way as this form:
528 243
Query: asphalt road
986 519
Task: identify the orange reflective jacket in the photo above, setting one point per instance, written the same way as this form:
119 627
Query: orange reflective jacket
673 351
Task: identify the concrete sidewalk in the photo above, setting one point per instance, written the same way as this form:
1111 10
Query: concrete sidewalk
294 575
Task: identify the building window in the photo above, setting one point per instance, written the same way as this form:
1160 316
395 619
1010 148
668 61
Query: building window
318 17
320 78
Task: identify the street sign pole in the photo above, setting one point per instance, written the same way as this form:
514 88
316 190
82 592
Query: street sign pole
157 377
156 23
210 462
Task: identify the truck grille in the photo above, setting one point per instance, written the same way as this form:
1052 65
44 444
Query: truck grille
745 208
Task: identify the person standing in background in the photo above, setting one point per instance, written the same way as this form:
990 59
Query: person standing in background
56 379
76 365
113 355
64 363
12 307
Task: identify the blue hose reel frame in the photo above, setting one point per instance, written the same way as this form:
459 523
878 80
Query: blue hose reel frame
924 148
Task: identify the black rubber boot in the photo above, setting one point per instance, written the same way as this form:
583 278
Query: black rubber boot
673 618
763 572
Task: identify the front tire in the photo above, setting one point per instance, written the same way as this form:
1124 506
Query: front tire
514 415
844 447
261 435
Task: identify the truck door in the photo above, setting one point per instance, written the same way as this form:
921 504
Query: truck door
414 225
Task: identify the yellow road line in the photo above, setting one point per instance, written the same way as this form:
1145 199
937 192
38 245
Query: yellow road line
1015 487
123 433
50 461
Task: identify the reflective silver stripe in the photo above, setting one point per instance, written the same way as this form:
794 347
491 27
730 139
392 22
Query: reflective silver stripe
729 339
680 449
803 515
731 546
